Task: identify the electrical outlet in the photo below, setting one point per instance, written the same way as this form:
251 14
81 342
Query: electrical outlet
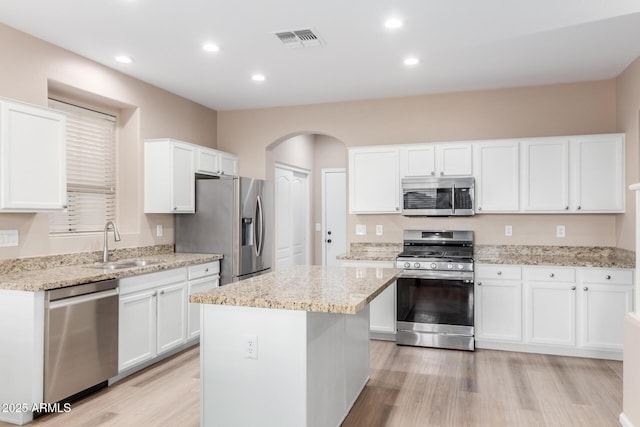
560 231
318 227
361 229
508 230
251 348
379 230
159 230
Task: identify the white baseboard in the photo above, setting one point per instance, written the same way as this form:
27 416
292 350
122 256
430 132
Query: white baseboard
624 421
553 350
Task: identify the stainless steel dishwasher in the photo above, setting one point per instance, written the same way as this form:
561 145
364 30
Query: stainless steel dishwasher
81 339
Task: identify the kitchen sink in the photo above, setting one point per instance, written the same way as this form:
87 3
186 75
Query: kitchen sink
119 265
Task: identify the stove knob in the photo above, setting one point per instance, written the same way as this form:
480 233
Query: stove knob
460 266
407 265
449 266
416 265
433 265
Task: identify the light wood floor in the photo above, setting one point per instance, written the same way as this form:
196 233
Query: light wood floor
408 387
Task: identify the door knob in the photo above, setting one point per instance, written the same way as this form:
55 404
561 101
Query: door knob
328 240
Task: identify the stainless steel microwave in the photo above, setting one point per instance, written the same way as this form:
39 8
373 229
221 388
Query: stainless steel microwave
438 196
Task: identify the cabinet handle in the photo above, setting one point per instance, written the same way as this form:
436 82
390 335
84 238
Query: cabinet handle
479 283
552 275
397 209
566 208
499 273
479 208
585 289
161 292
573 288
175 208
579 207
155 294
441 173
607 277
433 172
206 270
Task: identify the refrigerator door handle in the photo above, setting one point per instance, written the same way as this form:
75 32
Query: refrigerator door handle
259 232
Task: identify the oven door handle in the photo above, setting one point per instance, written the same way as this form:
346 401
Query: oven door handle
453 199
466 277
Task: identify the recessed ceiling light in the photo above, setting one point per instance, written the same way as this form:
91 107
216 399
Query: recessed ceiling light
123 59
258 78
411 61
393 23
210 47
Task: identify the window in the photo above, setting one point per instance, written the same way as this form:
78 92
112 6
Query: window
91 171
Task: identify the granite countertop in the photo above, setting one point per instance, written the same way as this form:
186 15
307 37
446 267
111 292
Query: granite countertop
569 256
52 277
315 288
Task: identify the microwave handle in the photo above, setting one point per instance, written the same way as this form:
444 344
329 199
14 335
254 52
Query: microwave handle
453 199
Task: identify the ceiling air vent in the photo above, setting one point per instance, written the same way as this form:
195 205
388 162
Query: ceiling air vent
299 38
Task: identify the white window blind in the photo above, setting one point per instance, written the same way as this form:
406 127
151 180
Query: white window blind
91 171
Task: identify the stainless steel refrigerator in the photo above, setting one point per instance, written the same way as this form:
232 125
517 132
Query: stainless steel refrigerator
233 217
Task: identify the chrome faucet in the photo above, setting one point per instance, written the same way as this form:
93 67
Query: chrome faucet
116 237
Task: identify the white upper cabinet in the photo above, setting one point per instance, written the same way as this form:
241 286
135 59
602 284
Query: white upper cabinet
597 173
444 159
228 163
545 175
374 180
33 165
497 176
215 162
169 180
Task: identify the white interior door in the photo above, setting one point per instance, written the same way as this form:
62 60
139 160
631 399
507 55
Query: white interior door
292 217
334 212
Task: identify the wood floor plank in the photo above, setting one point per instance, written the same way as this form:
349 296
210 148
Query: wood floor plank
409 387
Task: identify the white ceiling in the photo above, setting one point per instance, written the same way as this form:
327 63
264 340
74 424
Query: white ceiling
462 44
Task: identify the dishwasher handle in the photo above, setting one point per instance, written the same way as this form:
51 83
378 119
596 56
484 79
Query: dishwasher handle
82 298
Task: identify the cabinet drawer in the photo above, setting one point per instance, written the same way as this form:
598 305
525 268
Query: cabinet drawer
202 270
550 274
504 272
607 275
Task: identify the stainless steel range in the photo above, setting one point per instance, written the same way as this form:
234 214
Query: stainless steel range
435 290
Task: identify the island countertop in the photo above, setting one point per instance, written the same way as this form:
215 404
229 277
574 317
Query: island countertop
344 290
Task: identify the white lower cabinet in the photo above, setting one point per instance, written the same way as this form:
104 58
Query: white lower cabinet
605 296
152 317
382 310
498 303
202 278
561 310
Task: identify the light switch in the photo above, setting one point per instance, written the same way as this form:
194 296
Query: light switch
8 238
508 230
318 226
379 230
159 230
361 229
560 231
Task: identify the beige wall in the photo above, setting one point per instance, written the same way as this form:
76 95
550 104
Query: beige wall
579 108
31 68
628 121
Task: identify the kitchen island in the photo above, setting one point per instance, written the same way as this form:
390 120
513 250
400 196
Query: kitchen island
289 348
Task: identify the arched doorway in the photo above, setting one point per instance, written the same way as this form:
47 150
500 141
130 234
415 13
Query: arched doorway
291 158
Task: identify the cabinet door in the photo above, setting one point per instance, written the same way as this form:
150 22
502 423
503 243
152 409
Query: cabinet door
602 311
498 310
207 161
497 176
374 180
550 313
597 178
183 185
195 286
454 159
136 328
417 160
33 158
545 166
228 163
172 319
